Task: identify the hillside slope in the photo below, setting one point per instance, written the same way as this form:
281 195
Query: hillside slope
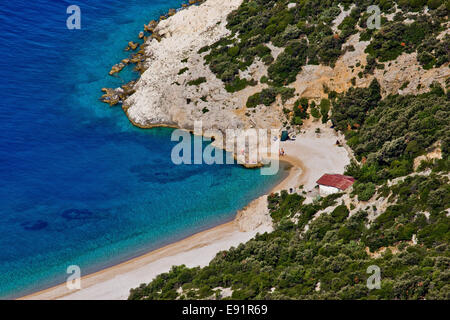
276 63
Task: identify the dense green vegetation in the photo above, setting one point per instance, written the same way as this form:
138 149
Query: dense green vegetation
331 243
390 133
289 263
321 248
396 37
288 64
305 32
414 196
364 191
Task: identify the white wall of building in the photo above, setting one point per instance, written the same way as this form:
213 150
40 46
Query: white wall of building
325 190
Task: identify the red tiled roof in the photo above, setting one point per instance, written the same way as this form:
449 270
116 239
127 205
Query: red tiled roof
336 180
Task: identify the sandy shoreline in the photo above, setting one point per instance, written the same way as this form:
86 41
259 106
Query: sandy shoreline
311 155
113 283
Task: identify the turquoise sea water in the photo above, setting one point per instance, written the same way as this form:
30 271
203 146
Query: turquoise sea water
79 184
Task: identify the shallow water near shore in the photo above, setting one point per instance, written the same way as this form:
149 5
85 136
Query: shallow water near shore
81 185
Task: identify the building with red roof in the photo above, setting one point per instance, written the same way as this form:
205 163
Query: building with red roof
333 183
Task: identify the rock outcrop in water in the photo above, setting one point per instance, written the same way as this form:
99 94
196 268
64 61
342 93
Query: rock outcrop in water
118 95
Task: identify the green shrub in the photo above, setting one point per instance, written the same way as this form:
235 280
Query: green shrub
315 113
238 84
324 109
197 81
340 213
364 191
183 70
286 93
266 97
300 111
233 51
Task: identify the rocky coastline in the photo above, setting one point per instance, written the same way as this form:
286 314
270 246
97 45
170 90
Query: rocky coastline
176 88
114 96
167 94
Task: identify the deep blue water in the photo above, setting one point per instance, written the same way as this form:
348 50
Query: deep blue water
78 183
